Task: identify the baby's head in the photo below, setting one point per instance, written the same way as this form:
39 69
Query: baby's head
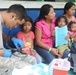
61 21
72 26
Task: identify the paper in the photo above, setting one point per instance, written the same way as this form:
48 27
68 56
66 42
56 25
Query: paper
60 34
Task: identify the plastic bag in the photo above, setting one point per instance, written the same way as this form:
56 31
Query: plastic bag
38 69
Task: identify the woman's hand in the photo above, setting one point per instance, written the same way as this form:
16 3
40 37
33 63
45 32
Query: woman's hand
55 51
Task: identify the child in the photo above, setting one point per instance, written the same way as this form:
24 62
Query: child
60 22
72 33
27 36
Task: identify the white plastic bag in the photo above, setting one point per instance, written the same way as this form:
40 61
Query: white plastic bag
38 69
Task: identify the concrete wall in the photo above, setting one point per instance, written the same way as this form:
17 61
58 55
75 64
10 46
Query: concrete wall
31 4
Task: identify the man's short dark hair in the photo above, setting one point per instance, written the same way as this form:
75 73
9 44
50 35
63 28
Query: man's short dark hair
18 9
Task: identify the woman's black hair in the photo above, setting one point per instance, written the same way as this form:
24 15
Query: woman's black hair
58 20
70 24
67 6
44 10
27 18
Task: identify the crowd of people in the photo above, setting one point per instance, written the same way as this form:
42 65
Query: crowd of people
41 42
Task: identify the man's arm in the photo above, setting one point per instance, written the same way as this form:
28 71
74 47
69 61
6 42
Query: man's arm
5 37
1 53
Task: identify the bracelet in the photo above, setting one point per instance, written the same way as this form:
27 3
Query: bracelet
49 50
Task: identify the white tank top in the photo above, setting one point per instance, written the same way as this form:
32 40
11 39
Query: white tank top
1 39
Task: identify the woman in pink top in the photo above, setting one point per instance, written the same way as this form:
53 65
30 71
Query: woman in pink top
43 29
69 10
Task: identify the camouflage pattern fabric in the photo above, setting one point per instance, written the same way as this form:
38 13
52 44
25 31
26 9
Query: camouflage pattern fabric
17 60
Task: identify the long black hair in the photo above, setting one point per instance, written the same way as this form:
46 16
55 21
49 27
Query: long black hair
44 10
67 6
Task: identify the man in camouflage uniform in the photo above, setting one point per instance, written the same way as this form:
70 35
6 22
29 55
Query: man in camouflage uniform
17 60
12 17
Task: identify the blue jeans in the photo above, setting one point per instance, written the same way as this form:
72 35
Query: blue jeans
48 57
73 48
65 54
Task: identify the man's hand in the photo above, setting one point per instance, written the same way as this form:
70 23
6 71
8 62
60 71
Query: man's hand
7 53
17 42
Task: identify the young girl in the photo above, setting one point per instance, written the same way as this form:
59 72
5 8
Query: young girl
27 36
60 22
72 33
